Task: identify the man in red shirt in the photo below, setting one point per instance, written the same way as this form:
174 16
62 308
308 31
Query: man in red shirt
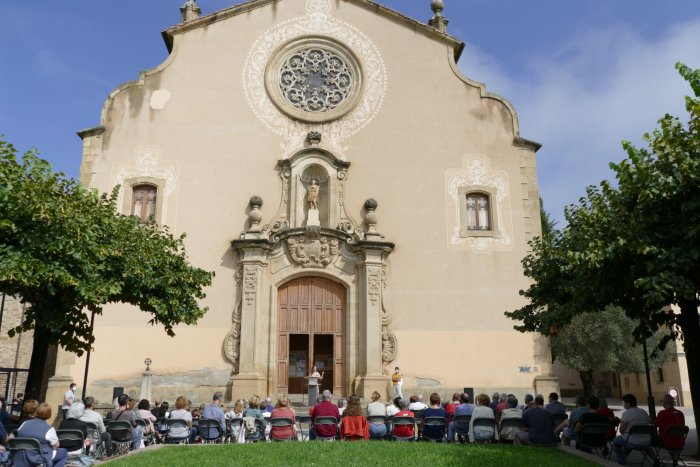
325 408
404 431
667 418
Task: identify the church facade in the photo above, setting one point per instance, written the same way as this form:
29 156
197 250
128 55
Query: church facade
363 204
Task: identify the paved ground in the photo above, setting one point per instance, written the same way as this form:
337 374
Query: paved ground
691 444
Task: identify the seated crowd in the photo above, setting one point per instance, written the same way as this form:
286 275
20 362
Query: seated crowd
488 419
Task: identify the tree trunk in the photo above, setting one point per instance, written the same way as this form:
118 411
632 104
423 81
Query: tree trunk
35 378
690 325
588 381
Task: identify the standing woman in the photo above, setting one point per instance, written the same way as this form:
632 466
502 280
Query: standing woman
37 428
377 427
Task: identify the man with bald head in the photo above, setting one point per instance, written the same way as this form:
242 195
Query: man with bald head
666 418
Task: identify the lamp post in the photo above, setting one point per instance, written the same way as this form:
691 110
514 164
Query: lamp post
650 394
87 357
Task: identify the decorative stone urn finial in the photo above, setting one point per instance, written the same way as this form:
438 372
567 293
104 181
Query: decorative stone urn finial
371 218
148 362
255 216
438 21
190 10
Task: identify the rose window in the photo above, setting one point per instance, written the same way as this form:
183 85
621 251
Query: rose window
315 80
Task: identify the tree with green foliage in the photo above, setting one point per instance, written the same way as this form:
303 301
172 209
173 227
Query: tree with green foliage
602 341
66 251
635 244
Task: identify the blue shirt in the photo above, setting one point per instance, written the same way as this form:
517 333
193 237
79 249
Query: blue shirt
214 412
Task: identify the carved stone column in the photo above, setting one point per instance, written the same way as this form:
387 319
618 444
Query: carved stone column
372 377
545 381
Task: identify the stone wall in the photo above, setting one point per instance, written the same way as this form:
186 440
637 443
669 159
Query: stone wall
15 352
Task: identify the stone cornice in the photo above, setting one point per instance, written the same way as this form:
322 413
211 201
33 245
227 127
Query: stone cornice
87 132
526 143
410 23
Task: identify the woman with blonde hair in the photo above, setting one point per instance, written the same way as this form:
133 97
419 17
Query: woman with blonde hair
253 411
181 412
377 427
282 410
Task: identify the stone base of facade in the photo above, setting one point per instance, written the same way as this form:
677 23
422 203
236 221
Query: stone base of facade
366 385
244 385
546 384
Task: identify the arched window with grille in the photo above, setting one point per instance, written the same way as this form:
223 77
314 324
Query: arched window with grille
143 201
478 211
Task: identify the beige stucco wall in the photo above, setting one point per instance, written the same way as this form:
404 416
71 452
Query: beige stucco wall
447 299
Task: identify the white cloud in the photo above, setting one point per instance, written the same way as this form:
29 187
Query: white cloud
594 91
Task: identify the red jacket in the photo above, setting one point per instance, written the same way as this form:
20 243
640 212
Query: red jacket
354 428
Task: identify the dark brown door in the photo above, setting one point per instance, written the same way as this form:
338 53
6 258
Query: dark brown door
311 319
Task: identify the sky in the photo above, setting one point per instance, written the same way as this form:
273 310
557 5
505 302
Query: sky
583 76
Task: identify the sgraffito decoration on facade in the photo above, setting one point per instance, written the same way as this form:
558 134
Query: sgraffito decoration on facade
477 171
147 164
232 341
313 251
317 23
389 341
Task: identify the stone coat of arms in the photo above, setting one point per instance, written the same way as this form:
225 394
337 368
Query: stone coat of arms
313 251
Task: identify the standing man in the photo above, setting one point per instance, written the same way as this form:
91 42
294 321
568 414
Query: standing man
214 412
68 398
396 383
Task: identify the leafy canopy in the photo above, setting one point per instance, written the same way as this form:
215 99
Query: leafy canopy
633 244
65 249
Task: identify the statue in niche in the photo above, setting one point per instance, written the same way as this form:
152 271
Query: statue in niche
312 194
313 219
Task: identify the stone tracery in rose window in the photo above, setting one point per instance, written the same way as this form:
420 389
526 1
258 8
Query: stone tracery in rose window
315 80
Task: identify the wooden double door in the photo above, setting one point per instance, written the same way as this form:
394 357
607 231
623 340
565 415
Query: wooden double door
311 322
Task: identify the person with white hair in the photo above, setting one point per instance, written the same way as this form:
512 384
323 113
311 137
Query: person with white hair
73 422
325 408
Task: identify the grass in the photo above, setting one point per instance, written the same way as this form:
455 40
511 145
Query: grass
354 454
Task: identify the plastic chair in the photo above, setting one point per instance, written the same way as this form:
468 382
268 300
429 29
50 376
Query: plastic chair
304 420
235 425
30 447
97 449
677 431
259 434
177 423
461 427
326 421
593 436
283 422
122 435
437 422
148 438
378 418
513 425
485 423
559 418
403 420
640 430
209 431
71 437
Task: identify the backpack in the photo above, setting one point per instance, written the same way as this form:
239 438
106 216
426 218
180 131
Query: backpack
250 426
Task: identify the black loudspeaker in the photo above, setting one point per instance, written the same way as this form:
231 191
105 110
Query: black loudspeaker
117 391
470 391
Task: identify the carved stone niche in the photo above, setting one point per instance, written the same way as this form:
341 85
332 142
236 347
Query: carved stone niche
318 167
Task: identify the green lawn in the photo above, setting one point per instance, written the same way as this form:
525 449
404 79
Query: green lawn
360 454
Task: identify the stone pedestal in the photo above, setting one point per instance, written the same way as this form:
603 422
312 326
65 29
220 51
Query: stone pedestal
146 385
370 383
313 218
244 385
546 384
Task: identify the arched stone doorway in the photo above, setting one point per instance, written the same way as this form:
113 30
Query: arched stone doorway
311 330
